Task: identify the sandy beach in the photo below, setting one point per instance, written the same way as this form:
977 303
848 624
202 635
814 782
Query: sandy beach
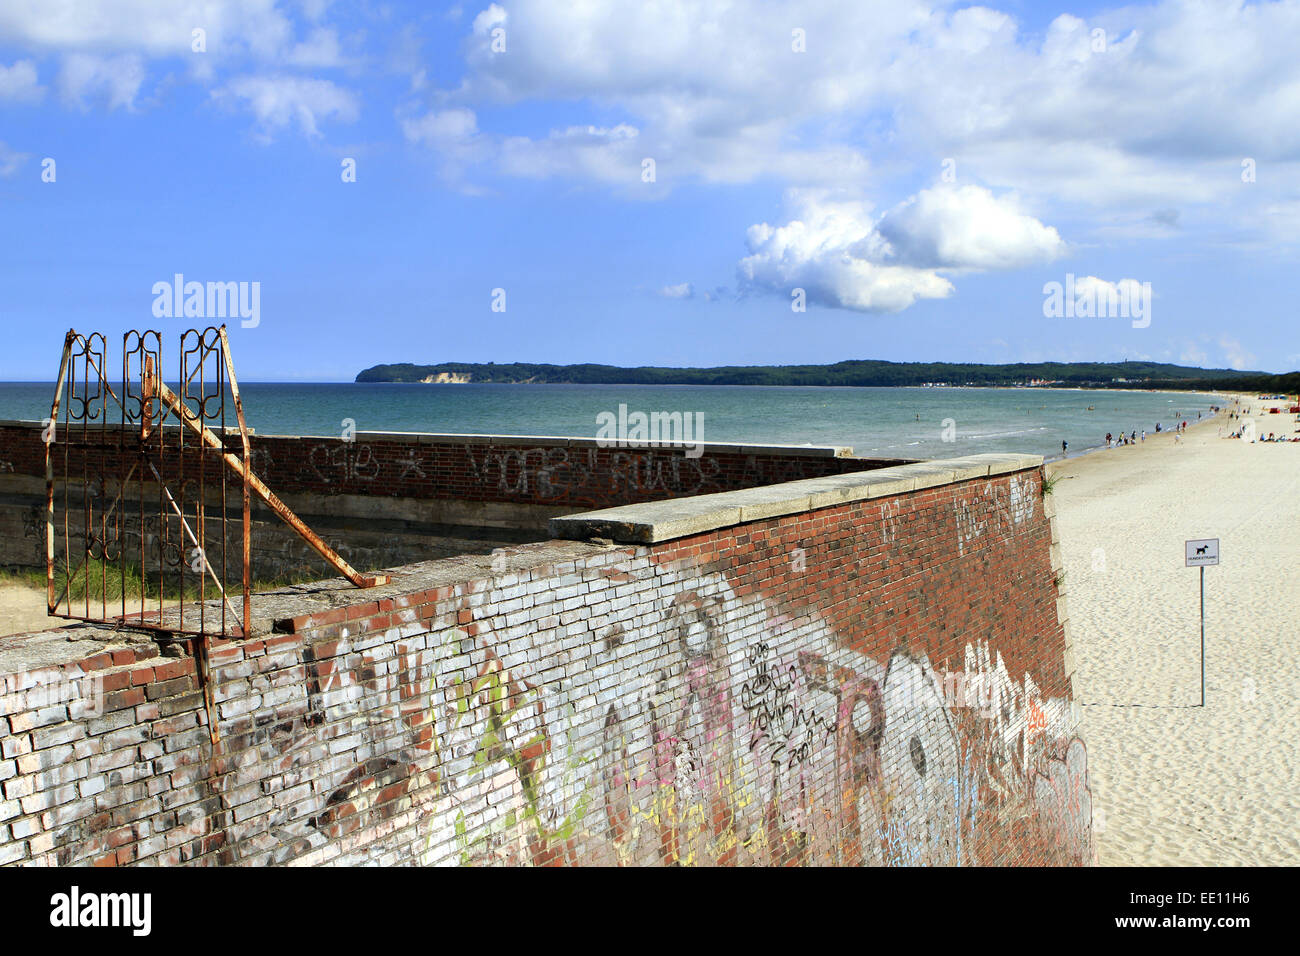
1174 783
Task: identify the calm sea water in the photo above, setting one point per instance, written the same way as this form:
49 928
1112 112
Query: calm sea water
889 422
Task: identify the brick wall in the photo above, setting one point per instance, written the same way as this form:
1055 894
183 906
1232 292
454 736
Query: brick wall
569 472
882 681
381 500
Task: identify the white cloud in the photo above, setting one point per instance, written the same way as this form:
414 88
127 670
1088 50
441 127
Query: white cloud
105 49
442 128
320 49
314 9
1236 355
151 28
493 16
713 92
454 135
18 82
10 160
113 80
843 256
281 101
606 154
966 227
1151 118
833 251
683 290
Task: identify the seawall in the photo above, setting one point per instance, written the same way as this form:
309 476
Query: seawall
869 667
383 498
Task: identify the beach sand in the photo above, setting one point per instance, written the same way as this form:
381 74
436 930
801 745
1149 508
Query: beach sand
22 609
1174 783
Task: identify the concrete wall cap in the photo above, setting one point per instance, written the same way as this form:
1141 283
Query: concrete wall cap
656 521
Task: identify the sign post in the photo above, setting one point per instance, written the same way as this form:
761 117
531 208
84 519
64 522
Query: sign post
1202 553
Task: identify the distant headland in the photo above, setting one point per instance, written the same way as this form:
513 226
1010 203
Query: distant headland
860 373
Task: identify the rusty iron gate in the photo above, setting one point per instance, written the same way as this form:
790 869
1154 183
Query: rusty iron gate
141 484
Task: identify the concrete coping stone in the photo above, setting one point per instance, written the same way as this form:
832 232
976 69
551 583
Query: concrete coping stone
657 521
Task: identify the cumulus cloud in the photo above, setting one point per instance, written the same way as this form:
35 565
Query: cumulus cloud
18 82
145 27
1107 117
844 256
105 49
711 92
832 251
966 227
281 101
603 154
112 80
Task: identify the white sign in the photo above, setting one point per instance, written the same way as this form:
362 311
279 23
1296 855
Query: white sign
1202 552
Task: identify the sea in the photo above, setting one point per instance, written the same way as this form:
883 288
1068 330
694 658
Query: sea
924 422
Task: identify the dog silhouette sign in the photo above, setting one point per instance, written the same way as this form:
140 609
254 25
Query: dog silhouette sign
1202 552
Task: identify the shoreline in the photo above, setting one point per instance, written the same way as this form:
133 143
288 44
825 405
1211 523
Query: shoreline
1172 782
1162 436
1165 437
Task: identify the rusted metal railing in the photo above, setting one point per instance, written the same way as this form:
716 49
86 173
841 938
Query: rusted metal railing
139 489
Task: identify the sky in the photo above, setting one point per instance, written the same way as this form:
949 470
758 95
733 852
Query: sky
652 183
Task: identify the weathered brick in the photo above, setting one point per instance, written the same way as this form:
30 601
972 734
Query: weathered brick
168 688
349 742
54 736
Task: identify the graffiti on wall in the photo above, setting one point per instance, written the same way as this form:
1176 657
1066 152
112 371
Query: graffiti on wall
758 738
573 475
341 463
996 509
576 476
694 726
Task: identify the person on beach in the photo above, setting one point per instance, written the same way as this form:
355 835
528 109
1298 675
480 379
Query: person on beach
1144 434
1064 445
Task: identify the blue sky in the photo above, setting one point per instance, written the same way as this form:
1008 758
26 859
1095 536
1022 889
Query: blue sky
920 171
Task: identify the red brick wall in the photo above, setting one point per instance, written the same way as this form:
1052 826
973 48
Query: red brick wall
879 682
520 471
